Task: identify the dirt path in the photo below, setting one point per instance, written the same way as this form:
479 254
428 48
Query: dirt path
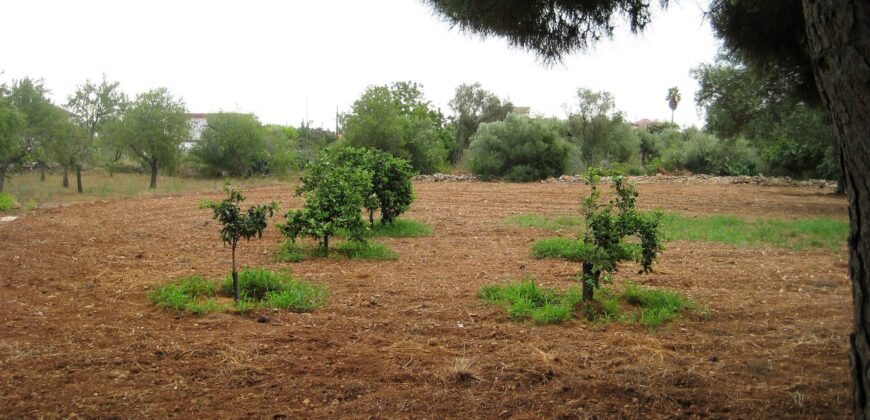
78 337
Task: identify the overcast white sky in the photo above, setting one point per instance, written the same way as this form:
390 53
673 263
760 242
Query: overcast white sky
283 59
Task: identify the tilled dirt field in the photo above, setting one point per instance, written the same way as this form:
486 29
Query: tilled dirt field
79 338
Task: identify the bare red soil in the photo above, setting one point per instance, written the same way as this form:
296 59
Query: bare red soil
409 338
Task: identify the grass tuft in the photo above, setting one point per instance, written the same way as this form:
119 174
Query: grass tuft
793 234
402 228
192 294
6 201
291 252
257 287
525 300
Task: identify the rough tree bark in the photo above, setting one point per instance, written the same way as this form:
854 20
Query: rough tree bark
153 174
79 179
839 41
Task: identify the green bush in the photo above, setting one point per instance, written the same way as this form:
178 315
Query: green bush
334 195
519 148
277 290
232 144
391 190
6 201
703 153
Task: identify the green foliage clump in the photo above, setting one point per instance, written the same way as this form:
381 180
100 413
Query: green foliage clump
277 290
232 144
258 288
236 224
391 190
193 294
607 225
354 250
6 201
704 153
399 120
634 303
334 195
518 148
525 300
402 228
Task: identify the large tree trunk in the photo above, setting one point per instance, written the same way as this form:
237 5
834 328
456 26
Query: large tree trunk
66 176
153 185
839 38
79 179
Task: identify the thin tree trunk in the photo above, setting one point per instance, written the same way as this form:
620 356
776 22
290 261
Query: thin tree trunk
42 173
153 185
235 276
839 41
589 287
326 245
2 177
66 176
372 218
79 179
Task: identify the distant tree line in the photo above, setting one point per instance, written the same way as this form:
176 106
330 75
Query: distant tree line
755 123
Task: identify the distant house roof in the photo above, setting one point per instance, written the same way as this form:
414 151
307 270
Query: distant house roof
644 123
522 110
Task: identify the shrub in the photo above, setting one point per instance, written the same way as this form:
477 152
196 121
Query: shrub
704 153
334 195
519 148
391 181
232 144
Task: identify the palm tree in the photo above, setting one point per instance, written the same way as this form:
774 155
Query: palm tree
673 99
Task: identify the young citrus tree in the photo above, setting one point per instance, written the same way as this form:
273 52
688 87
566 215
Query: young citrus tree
391 190
334 195
607 227
237 224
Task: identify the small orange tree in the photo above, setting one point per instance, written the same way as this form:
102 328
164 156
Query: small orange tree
237 224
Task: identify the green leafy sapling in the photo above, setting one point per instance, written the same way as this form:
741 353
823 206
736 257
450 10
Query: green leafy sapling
608 225
237 224
334 195
391 189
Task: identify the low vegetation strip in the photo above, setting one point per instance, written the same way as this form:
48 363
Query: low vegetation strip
258 288
799 234
353 250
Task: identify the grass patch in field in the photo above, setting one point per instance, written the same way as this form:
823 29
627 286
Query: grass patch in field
277 290
793 234
637 304
257 288
290 252
192 294
6 201
525 300
99 185
402 228
561 222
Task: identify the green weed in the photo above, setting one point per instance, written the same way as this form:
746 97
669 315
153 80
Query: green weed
290 252
6 201
193 294
526 300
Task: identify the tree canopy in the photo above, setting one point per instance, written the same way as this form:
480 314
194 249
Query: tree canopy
154 127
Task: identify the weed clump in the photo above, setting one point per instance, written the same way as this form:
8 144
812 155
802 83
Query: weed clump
257 288
525 300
